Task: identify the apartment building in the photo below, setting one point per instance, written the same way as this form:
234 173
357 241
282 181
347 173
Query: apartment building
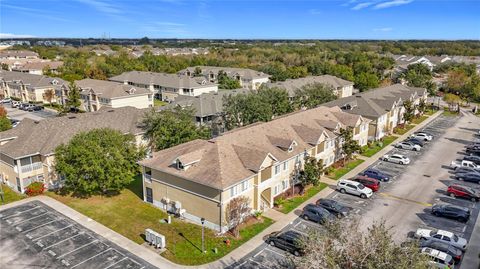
28 87
37 67
96 94
18 54
27 151
167 87
340 87
260 161
383 106
248 78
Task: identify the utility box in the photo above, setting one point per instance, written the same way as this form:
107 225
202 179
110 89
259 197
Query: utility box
155 239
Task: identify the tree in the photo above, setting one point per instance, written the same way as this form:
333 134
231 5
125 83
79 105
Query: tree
422 105
243 109
349 245
409 110
3 111
98 161
172 127
349 146
73 98
236 211
225 82
197 72
49 95
277 99
5 66
312 171
418 75
366 81
313 95
5 124
144 41
452 100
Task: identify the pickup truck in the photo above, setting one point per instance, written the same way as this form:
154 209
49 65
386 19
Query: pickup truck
464 163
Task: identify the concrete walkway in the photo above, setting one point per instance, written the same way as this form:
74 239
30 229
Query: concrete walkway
281 220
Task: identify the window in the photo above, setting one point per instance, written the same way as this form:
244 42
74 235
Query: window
285 166
285 184
277 169
233 191
245 185
276 189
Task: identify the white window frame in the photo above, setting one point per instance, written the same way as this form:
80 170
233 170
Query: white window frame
233 191
245 185
276 172
285 166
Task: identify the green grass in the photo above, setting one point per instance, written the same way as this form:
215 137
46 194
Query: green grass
127 214
406 128
340 172
157 103
369 151
292 203
430 112
419 119
10 195
450 113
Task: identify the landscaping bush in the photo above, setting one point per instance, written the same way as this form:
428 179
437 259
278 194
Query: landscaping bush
35 188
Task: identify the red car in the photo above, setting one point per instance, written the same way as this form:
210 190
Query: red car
368 182
456 190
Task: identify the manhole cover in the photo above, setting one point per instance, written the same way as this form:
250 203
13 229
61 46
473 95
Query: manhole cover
426 175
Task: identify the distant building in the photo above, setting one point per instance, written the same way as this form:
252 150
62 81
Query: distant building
340 87
167 87
403 61
37 67
18 54
248 78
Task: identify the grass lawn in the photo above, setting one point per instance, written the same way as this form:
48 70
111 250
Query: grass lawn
157 102
9 195
340 172
419 119
429 112
376 147
406 128
450 113
127 214
292 203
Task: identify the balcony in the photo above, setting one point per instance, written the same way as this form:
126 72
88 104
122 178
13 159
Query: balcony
147 177
31 167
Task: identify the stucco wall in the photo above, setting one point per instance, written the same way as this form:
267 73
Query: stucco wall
135 101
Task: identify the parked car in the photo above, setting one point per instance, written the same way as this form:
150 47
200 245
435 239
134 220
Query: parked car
15 104
353 187
465 169
442 236
421 136
290 241
396 158
408 145
35 108
459 213
24 106
415 141
444 247
473 146
474 159
425 132
368 182
464 163
439 258
456 190
316 214
334 207
470 151
471 176
376 174
6 101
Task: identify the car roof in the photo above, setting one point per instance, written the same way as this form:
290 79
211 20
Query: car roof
435 253
397 155
348 181
445 233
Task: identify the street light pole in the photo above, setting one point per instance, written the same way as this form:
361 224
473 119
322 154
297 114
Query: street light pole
203 234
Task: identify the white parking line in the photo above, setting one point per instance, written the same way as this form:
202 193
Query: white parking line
77 249
63 240
116 262
91 258
39 226
276 252
52 232
253 262
300 232
464 228
258 253
21 212
240 265
29 219
335 196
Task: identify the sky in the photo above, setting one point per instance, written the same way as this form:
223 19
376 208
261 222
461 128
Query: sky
247 19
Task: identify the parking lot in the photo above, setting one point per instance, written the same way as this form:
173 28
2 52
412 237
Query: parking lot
33 235
405 201
17 114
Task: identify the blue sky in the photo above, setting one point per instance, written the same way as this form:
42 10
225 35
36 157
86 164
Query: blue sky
321 19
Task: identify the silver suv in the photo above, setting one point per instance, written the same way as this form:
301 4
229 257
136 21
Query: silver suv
353 187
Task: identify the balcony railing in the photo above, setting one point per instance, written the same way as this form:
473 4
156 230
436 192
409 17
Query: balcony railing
31 167
148 177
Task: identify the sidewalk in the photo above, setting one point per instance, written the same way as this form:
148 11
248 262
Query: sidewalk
471 258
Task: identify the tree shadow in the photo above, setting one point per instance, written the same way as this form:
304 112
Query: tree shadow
188 240
469 129
460 141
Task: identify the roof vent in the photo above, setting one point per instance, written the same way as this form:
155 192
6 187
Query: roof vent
111 110
72 117
36 122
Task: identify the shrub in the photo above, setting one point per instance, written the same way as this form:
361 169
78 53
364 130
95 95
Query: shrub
278 201
35 188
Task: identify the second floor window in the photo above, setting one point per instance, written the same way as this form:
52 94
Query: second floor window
277 169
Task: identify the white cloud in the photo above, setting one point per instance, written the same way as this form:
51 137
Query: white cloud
392 3
362 5
10 35
384 29
102 6
314 11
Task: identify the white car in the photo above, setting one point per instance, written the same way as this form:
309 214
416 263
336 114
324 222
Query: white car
439 258
6 100
396 158
408 145
353 187
422 136
442 236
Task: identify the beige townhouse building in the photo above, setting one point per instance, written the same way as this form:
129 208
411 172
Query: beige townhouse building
248 78
27 151
340 87
167 87
260 161
28 87
18 54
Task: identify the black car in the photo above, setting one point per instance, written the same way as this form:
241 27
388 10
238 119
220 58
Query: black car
452 212
376 174
468 176
473 158
444 247
35 108
334 207
316 214
472 150
415 141
290 241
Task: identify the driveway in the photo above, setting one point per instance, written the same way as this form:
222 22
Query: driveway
17 114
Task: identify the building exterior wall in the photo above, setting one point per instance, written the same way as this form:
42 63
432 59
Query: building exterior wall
346 91
138 101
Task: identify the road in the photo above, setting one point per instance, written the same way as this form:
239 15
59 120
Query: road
17 114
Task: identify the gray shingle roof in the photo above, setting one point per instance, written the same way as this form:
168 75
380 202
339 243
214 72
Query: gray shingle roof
230 71
17 53
163 79
291 85
31 80
109 89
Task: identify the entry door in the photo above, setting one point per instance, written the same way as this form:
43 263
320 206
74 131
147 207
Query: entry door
19 187
149 195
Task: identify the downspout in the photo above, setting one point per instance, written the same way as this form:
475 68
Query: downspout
221 211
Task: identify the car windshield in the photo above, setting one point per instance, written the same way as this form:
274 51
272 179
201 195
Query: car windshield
361 187
455 238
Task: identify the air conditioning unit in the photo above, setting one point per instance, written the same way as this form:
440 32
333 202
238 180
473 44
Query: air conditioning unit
178 205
